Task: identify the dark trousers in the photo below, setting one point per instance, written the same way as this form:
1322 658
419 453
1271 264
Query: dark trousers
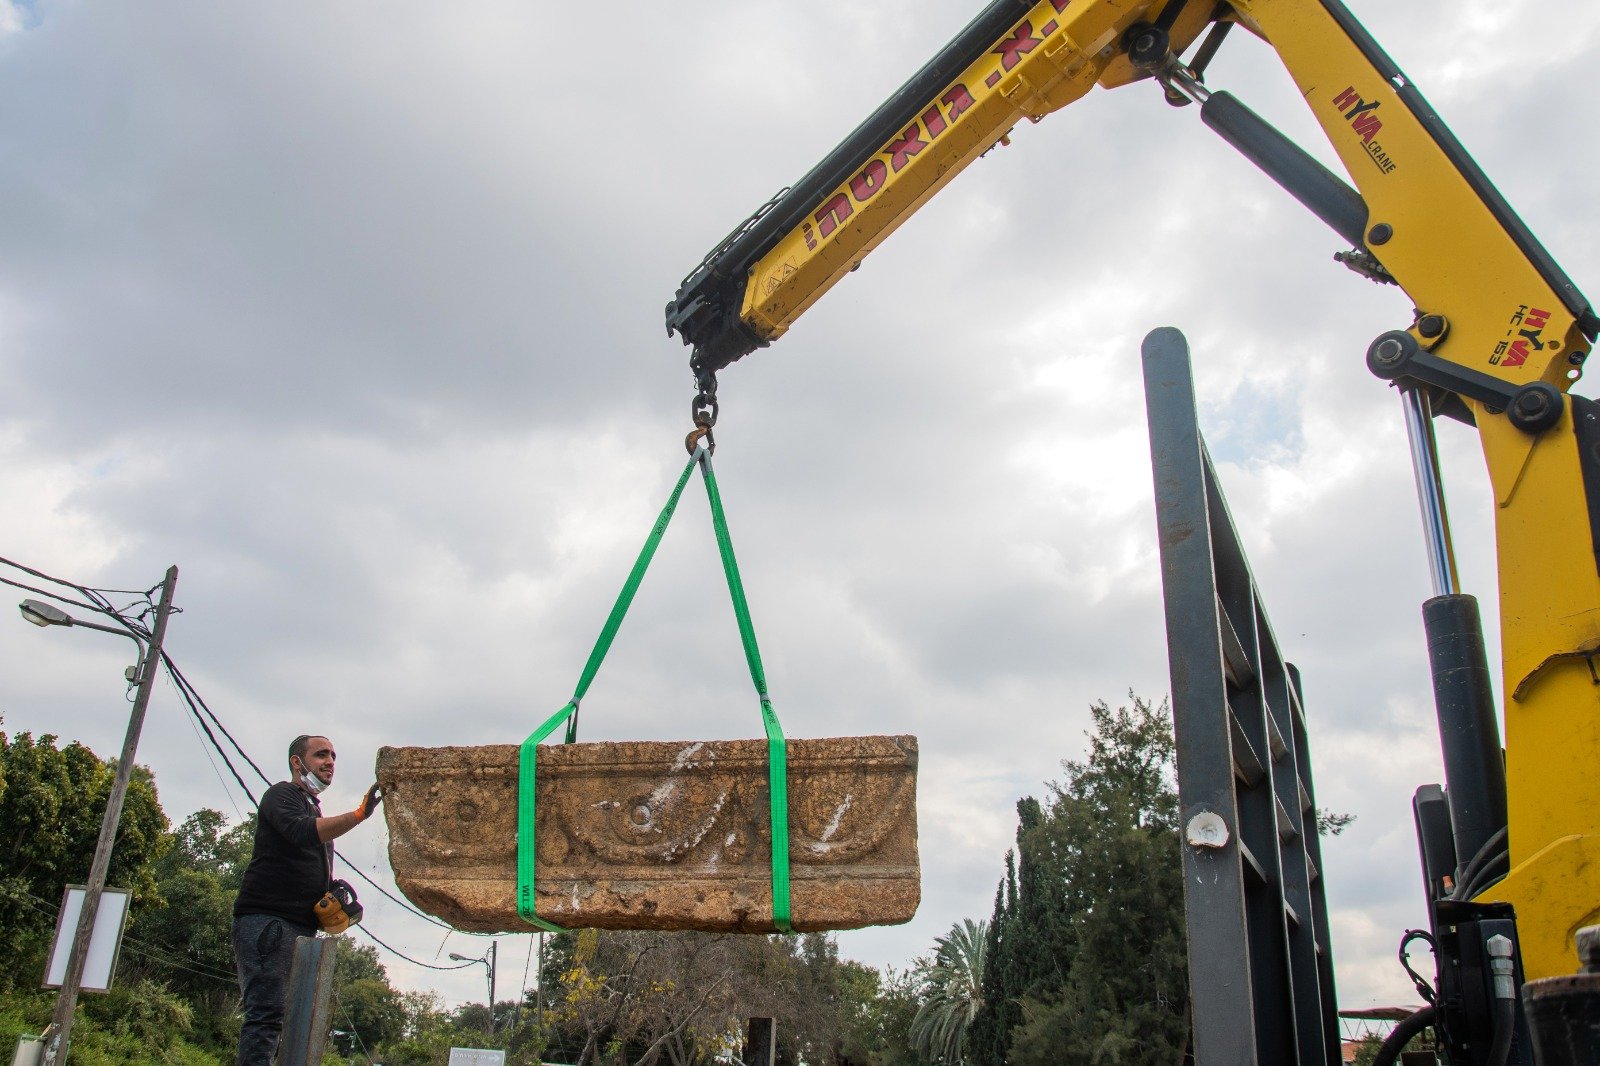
263 950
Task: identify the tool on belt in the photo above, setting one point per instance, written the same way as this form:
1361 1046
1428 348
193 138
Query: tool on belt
338 909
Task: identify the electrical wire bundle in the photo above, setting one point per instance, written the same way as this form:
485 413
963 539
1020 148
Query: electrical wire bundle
133 617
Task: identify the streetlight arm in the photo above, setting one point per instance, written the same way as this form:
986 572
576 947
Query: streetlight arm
111 629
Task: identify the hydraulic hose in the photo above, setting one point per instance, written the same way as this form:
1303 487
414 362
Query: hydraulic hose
1400 1036
1505 1026
1502 965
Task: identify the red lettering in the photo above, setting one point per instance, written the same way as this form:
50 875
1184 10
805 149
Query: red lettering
1348 98
1537 318
831 214
958 100
907 146
811 239
1367 126
865 185
934 121
1519 353
1060 5
1020 43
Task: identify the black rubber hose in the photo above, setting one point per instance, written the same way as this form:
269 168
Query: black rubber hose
1505 1027
1400 1036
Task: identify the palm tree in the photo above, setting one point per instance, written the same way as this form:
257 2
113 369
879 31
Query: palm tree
953 993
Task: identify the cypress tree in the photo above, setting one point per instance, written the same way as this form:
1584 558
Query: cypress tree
986 1040
1086 953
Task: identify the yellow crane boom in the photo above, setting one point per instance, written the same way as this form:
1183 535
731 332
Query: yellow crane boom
1498 336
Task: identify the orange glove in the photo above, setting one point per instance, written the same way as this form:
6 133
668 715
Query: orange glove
368 804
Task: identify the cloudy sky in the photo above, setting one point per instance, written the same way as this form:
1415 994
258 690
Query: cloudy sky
353 312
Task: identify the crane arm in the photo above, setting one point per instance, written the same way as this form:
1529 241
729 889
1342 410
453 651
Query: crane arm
1498 335
1015 60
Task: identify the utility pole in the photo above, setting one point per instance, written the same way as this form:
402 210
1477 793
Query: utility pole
493 945
55 1051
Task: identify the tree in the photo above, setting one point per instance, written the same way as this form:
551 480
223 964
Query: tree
364 1004
1092 934
885 1037
50 814
1026 945
953 993
680 998
183 937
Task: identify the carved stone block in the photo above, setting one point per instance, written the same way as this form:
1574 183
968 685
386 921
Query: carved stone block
658 835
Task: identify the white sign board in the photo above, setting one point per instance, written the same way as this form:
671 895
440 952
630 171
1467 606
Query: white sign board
103 942
30 1051
473 1056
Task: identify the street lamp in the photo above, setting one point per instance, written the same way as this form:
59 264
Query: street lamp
41 613
488 961
44 614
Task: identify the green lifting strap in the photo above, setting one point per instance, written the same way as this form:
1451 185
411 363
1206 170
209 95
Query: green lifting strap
777 749
777 775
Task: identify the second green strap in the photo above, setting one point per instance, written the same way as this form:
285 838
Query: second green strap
777 747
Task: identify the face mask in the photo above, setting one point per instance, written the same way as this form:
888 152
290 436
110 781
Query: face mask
311 781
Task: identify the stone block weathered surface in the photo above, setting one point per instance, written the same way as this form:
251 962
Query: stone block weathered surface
658 835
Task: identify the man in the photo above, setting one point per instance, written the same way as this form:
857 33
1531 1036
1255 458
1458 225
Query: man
291 867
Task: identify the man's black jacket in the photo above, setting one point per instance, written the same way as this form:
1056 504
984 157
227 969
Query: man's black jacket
290 868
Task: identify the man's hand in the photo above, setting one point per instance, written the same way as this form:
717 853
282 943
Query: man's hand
369 803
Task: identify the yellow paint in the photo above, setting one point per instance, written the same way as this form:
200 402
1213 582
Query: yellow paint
1056 71
1450 255
1547 883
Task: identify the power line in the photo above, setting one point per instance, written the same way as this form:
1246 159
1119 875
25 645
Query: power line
192 696
139 949
52 595
528 964
200 711
190 691
138 946
353 868
98 601
356 1034
214 769
408 958
189 697
45 577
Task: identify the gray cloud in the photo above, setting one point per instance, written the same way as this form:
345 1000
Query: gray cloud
356 317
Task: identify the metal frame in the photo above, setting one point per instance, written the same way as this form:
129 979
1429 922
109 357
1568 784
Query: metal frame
1260 967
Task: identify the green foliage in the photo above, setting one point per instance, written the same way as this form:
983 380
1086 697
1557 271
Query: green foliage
638 997
365 1006
1367 1050
888 1036
136 1024
952 993
1086 950
50 813
1332 823
183 937
147 1012
1082 961
172 996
